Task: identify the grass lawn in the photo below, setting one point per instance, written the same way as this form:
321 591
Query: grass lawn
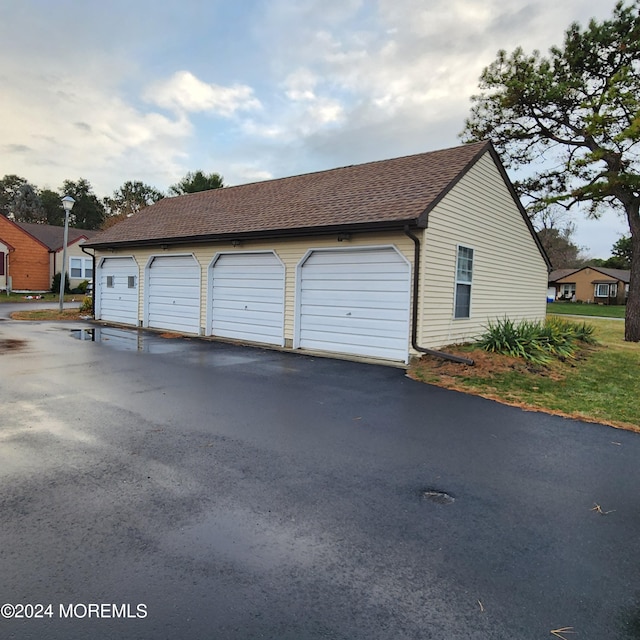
49 314
44 297
600 385
598 310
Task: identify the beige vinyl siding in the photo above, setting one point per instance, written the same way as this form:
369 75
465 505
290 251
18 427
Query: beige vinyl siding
509 273
74 250
289 251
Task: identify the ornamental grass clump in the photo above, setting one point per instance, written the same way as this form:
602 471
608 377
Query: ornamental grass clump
536 342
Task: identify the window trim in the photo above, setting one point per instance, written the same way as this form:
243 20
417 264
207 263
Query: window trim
596 293
568 288
86 266
466 283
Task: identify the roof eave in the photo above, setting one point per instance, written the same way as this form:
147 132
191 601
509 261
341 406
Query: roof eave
424 216
371 227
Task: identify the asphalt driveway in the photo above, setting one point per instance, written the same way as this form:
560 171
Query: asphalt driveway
168 488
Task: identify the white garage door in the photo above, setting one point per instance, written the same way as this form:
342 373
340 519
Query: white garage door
117 291
356 302
247 297
173 300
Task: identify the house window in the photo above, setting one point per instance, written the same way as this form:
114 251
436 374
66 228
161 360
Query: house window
131 282
464 274
602 291
1 263
568 290
109 282
81 268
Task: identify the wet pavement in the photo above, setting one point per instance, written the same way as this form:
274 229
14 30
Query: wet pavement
179 488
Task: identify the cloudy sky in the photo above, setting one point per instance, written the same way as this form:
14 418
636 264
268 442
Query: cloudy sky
252 89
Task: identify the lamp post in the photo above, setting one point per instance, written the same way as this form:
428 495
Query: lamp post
67 205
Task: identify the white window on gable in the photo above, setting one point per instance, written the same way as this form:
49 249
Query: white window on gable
464 277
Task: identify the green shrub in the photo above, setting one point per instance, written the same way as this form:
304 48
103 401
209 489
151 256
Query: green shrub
87 305
82 287
55 284
537 342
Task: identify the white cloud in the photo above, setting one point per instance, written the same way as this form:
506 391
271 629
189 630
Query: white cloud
184 92
52 131
245 173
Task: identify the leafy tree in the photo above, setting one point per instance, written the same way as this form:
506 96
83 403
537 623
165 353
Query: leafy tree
194 182
128 200
88 212
562 251
621 254
27 206
9 187
576 115
52 206
555 232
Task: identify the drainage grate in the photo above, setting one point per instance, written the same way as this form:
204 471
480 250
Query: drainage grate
439 497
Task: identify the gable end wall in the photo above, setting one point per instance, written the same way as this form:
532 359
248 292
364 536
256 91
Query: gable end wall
509 273
28 263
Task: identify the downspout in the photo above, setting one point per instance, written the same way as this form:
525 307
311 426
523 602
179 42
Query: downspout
8 270
414 309
93 267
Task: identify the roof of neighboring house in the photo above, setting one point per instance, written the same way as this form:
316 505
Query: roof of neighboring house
621 275
558 274
376 195
53 237
615 274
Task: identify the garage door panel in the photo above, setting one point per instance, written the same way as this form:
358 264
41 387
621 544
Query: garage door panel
183 294
266 272
368 327
247 298
398 313
239 296
248 331
349 257
351 284
355 301
342 299
346 339
357 271
238 309
351 348
119 302
174 294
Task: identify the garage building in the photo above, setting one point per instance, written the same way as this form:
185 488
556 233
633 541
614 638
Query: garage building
375 260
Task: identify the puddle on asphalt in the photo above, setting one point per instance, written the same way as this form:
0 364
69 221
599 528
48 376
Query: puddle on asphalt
9 344
133 340
243 538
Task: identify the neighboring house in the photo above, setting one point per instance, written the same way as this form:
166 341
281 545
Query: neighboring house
374 260
34 254
597 285
5 248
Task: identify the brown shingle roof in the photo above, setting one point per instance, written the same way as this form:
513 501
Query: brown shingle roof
51 236
558 274
624 275
389 191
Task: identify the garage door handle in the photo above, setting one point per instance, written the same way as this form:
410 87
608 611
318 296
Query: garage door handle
349 313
